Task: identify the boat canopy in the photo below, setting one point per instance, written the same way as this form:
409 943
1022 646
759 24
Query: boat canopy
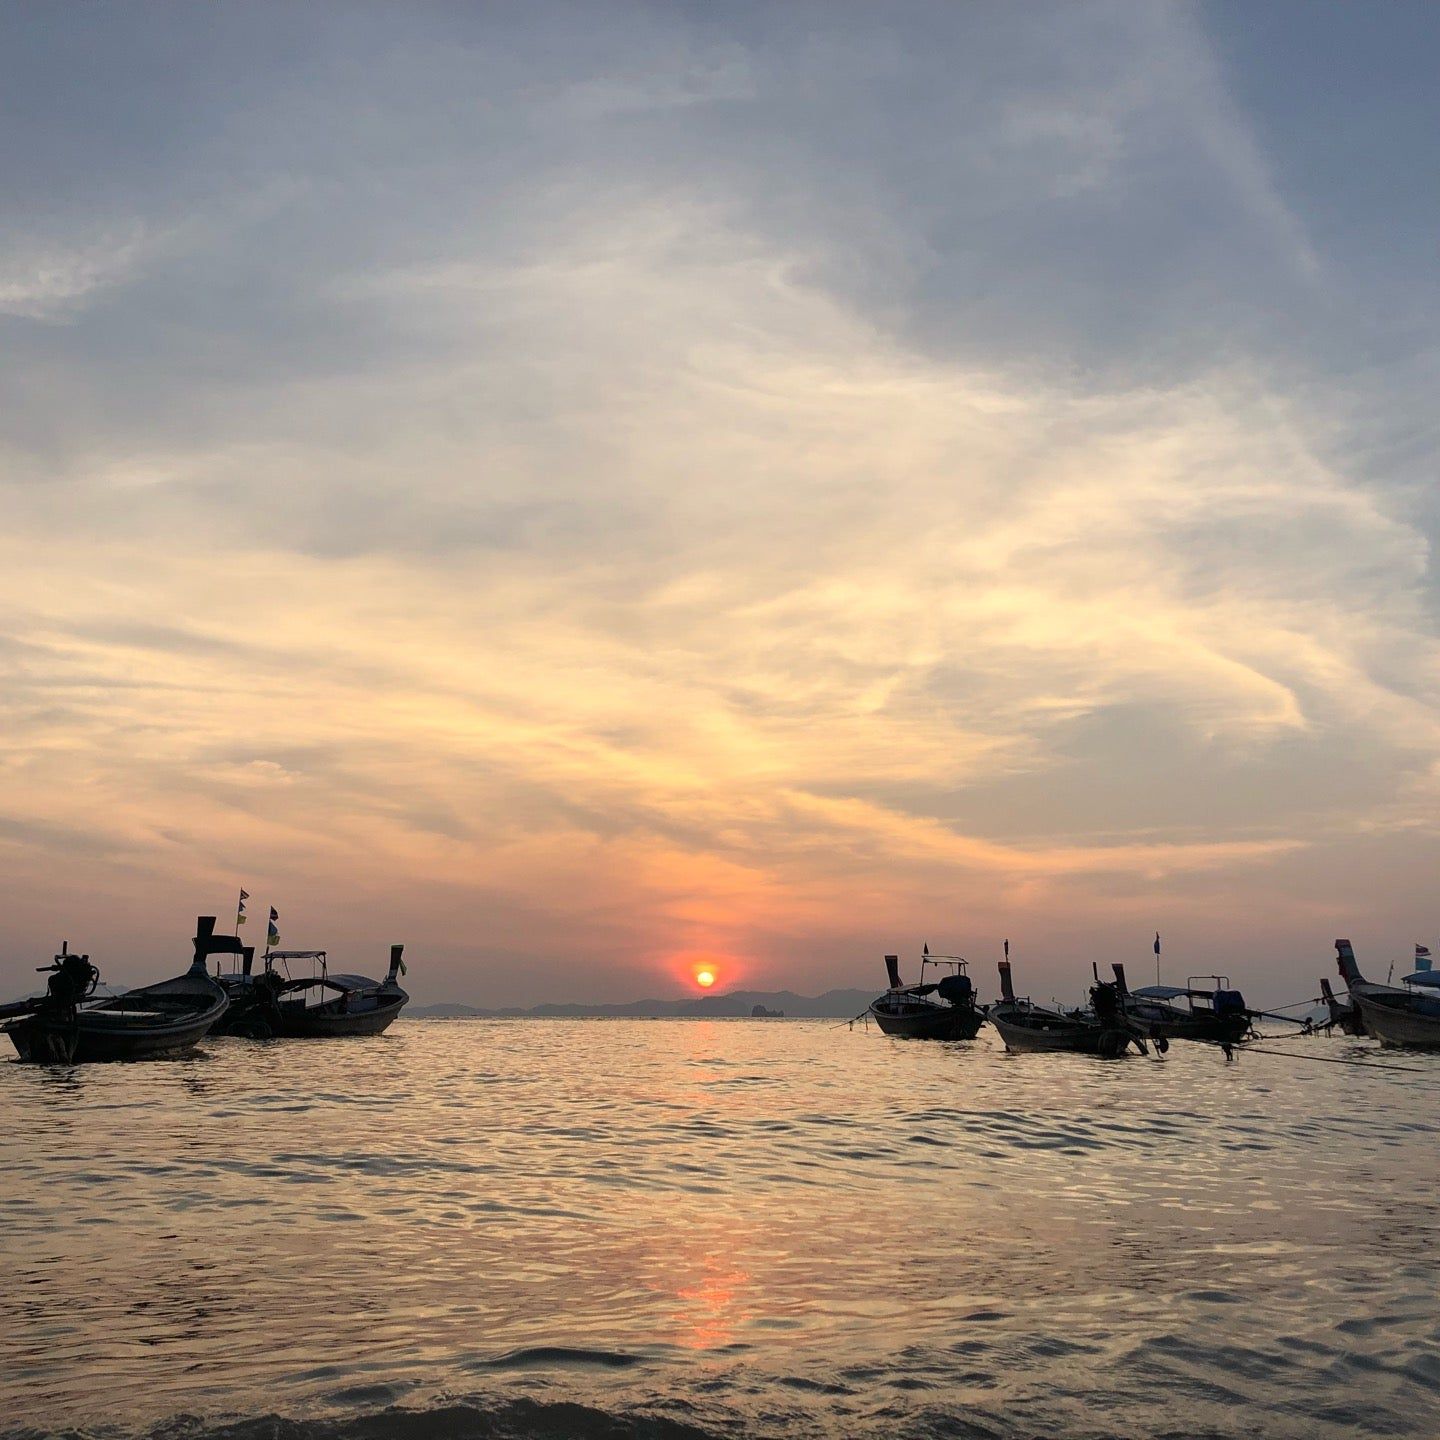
351 982
294 954
1165 992
1428 978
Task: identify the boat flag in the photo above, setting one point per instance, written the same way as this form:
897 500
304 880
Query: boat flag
925 949
240 908
1157 942
1007 949
272 939
1422 957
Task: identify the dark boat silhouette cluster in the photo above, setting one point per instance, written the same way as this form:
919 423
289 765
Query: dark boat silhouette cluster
1116 1020
294 994
71 1025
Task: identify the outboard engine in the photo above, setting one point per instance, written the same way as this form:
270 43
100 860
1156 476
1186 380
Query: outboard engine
1117 1036
1228 1002
1105 997
72 978
957 990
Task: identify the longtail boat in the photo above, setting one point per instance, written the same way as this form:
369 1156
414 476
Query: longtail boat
1396 1015
1215 1012
1377 995
68 1026
323 1004
1102 1030
942 1009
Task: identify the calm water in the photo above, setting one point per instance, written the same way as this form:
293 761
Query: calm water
667 1229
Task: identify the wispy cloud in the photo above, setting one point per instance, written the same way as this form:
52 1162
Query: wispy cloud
41 281
687 505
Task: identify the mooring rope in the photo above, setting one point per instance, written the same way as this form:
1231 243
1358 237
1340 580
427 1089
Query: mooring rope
1295 1005
1330 1059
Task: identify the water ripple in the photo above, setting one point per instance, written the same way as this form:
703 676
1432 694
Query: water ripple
714 1229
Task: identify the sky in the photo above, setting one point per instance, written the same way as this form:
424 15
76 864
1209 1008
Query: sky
584 489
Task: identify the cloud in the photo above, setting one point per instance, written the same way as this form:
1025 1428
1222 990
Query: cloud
747 498
52 282
830 616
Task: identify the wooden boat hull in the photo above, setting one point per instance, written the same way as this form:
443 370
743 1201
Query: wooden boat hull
245 1021
47 1041
947 1022
251 1013
1147 1020
1046 1031
1399 1025
146 1024
267 1007
319 1022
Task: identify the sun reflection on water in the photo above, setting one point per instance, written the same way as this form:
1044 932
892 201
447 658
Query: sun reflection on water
407 1211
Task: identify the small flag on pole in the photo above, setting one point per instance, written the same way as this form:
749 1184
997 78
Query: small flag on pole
925 949
1422 957
1007 949
240 908
1157 942
272 938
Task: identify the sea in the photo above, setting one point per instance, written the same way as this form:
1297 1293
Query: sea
685 1229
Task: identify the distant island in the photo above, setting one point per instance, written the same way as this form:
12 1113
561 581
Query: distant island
745 1004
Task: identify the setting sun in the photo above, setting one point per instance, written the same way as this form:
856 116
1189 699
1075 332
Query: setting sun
705 969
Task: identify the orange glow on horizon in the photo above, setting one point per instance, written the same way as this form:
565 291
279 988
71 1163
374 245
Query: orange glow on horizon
705 969
702 969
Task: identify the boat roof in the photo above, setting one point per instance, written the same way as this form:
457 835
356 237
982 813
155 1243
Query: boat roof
1428 978
1161 992
348 982
294 954
959 961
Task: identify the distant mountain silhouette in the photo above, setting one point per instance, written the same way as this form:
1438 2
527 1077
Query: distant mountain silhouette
832 1005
